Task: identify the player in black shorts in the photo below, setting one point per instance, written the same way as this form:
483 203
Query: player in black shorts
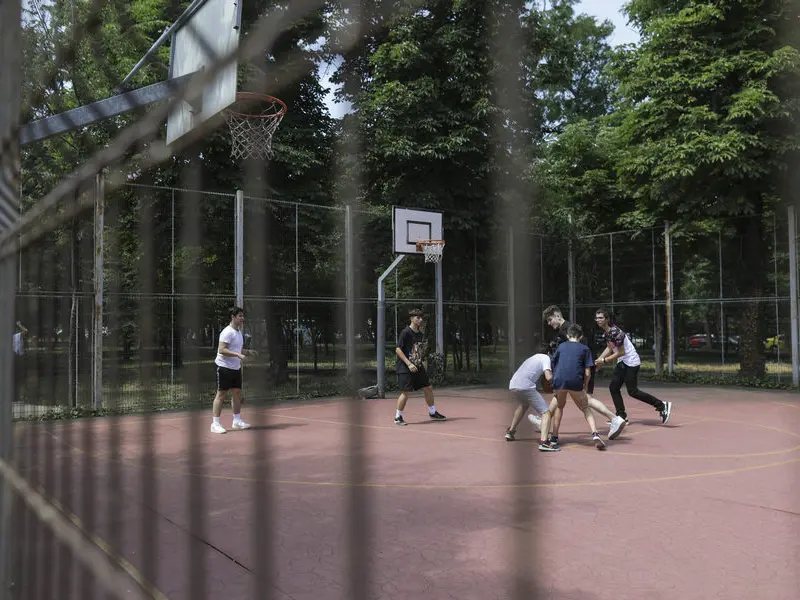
553 317
411 374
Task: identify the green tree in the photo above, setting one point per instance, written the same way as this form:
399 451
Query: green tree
710 101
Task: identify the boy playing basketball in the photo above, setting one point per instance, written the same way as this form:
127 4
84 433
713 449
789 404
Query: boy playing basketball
626 371
572 364
524 389
553 317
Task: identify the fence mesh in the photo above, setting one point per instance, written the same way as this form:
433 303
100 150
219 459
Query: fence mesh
119 267
154 325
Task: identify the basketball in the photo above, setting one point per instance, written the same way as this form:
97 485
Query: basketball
547 386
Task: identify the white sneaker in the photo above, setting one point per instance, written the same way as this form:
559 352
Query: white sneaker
240 425
537 421
616 425
217 428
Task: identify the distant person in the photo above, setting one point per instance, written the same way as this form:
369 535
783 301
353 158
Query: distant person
411 374
230 354
20 364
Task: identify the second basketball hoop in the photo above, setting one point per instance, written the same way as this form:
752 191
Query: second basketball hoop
253 119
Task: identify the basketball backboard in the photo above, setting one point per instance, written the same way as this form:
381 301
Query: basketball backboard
212 32
411 225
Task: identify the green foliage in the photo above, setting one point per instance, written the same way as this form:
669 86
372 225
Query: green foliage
717 380
709 104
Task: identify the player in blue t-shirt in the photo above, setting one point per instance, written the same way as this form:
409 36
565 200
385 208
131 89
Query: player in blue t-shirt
571 363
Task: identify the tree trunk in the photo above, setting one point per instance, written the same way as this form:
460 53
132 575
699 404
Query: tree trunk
752 283
278 359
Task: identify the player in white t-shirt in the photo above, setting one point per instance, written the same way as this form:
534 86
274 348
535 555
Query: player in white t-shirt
230 355
524 388
620 347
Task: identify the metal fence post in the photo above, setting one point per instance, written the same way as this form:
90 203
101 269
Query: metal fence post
670 320
239 244
571 275
512 322
297 296
721 304
350 315
477 314
99 285
10 51
775 276
611 262
793 295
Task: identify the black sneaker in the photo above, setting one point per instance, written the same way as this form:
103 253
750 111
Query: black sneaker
437 416
548 447
554 441
666 412
509 435
400 421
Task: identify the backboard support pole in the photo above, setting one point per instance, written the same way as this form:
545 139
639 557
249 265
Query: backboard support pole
100 110
381 326
439 310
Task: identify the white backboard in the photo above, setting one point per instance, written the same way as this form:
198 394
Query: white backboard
212 32
411 225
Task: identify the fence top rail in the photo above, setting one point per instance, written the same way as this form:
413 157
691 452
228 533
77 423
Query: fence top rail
177 189
621 231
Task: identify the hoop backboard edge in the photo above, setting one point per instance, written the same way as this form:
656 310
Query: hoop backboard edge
409 225
216 23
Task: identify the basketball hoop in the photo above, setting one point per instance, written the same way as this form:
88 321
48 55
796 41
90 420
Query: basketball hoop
433 250
251 132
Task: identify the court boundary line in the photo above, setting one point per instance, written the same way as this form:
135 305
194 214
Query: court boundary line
683 476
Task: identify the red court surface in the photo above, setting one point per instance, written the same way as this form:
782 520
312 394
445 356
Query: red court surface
704 507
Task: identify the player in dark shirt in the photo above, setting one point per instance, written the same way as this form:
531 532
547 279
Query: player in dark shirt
572 362
554 318
411 374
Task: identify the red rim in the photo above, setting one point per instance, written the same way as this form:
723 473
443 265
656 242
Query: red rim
241 96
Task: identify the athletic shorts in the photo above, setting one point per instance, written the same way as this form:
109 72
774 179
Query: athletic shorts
228 379
411 382
590 386
532 397
574 385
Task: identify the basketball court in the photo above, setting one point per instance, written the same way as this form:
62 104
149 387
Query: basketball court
703 507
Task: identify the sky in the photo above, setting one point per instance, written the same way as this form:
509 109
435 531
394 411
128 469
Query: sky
611 10
602 9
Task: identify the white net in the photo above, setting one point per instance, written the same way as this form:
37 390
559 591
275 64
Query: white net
251 132
433 250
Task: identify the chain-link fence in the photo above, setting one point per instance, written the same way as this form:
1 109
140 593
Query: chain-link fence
121 256
292 300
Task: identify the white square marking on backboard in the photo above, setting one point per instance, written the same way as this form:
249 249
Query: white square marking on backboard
216 22
410 225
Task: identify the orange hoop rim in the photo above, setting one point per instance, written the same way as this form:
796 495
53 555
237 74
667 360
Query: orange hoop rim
241 96
422 243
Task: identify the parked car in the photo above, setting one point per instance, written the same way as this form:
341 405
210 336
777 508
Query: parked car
775 343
